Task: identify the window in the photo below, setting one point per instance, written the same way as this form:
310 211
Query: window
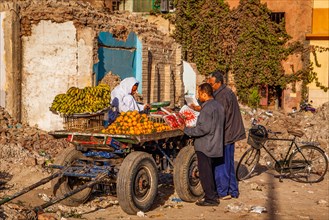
277 17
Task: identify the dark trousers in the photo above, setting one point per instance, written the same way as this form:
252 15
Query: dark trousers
226 182
206 175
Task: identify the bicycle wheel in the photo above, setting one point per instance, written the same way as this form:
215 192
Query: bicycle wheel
247 163
309 165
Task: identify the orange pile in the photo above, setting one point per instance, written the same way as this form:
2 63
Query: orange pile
133 123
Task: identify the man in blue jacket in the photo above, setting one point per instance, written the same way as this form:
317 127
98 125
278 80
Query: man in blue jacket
208 144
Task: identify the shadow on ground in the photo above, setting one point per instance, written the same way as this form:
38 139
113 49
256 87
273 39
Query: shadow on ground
4 178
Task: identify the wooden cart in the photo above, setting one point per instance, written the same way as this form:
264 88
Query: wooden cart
126 164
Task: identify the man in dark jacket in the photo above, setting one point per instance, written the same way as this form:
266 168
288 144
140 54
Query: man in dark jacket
208 144
226 182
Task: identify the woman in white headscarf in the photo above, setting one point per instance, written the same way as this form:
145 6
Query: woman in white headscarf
122 96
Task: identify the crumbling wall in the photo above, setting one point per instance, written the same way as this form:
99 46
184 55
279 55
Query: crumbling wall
10 59
50 68
84 21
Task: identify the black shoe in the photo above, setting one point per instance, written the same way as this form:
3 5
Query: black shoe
207 203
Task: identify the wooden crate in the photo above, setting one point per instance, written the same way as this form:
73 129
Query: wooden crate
84 122
156 118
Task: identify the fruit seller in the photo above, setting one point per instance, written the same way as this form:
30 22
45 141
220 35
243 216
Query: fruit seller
122 96
208 144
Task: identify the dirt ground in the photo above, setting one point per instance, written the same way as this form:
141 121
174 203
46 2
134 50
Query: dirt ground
282 200
263 192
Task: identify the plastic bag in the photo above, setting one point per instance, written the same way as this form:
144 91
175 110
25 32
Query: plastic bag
190 116
174 120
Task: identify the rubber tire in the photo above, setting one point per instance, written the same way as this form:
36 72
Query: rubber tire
130 168
60 186
184 162
296 156
242 168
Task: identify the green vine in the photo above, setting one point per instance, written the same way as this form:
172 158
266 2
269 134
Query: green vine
253 98
243 41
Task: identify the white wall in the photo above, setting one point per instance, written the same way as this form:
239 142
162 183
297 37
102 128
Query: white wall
2 63
53 61
189 79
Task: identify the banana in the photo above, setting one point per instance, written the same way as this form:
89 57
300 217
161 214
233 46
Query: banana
88 99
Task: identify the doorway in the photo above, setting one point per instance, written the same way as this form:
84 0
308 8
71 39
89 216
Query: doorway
123 58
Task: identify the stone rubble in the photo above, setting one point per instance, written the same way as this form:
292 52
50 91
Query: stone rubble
111 79
22 143
315 127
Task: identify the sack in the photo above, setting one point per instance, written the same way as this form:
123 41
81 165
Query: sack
112 114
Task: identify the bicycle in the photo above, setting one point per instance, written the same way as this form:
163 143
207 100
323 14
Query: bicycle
307 163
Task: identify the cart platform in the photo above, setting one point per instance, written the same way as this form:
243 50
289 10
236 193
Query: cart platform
133 139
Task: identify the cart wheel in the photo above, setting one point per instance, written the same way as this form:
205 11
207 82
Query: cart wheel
186 175
137 182
63 185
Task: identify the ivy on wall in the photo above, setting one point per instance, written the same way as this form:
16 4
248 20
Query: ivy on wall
199 30
243 41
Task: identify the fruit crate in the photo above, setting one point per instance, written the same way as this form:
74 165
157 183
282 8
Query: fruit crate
83 122
156 118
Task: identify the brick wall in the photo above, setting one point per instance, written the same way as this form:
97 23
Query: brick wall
160 70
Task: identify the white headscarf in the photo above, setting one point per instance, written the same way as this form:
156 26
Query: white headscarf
122 94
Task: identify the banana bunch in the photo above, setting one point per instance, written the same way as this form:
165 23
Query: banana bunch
86 100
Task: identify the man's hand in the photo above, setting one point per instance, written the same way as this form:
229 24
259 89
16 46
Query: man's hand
195 107
181 127
147 106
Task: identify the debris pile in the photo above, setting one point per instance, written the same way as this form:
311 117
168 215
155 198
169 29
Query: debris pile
314 125
111 79
25 144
